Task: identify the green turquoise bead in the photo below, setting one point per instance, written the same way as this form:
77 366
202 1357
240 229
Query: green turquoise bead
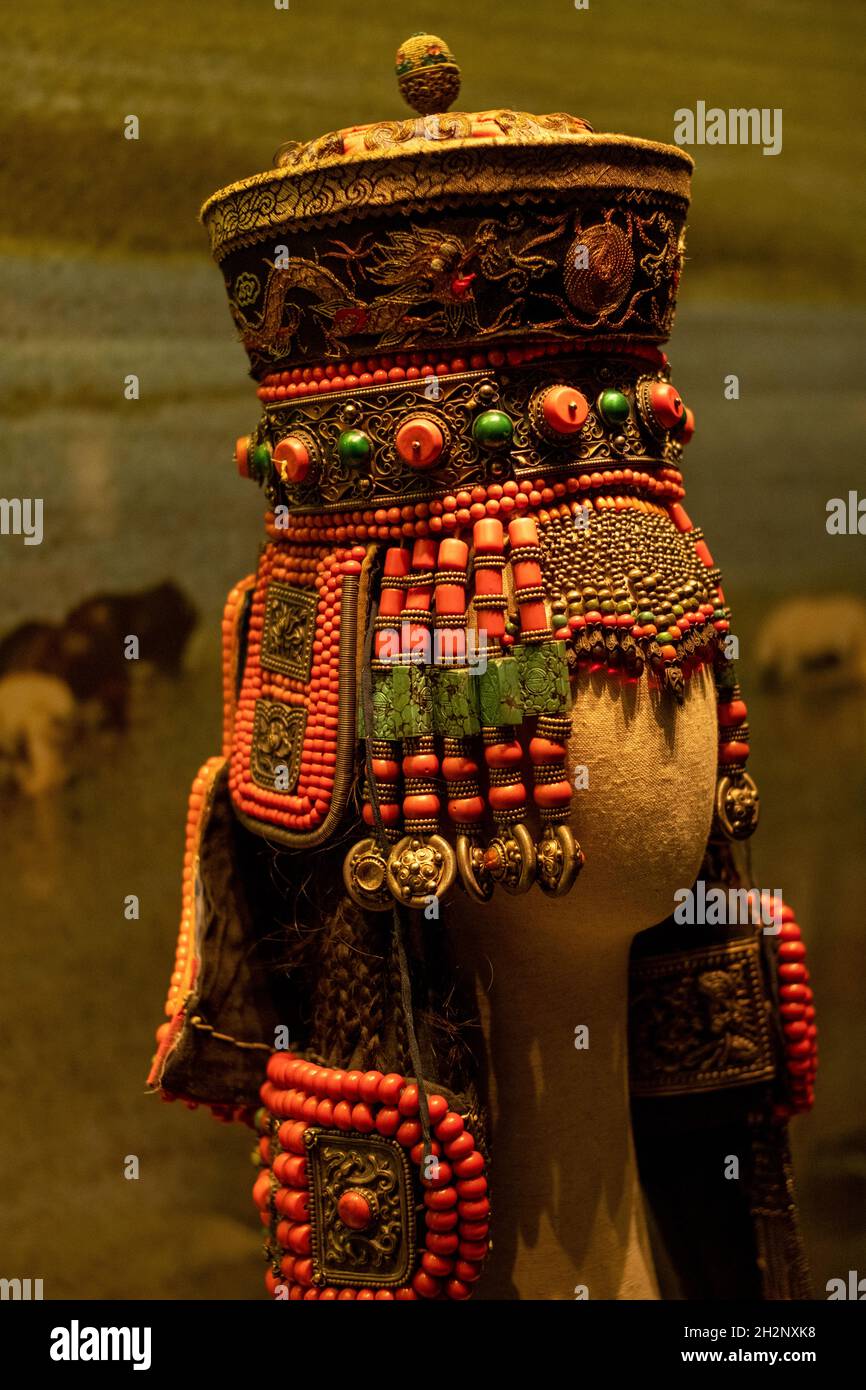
614 407
261 459
493 429
354 447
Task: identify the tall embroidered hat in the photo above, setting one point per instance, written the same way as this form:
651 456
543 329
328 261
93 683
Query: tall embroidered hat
447 228
470 449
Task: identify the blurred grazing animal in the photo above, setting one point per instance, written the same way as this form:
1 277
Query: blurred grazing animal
39 724
86 649
814 644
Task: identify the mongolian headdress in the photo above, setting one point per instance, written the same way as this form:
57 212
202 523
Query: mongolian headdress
471 452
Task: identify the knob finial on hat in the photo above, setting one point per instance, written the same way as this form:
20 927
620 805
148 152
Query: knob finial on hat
427 74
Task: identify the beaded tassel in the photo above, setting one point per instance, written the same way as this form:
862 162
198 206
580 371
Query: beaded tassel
385 769
488 599
422 865
466 805
365 866
544 683
416 610
421 803
384 765
797 1008
733 731
504 758
529 590
450 601
392 601
458 719
547 750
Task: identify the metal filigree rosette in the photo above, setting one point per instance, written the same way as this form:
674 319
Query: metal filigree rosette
558 860
365 872
510 859
476 879
738 805
421 867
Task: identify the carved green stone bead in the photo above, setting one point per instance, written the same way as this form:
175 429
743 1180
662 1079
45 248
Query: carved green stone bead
384 723
544 683
726 677
499 692
410 692
456 711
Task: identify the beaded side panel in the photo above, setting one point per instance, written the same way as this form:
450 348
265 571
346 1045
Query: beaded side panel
292 746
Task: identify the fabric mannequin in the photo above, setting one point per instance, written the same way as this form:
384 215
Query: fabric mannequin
573 1214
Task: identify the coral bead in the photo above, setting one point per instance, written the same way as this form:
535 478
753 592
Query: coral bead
551 794
354 1210
369 1084
456 1289
467 809
450 1127
472 1166
564 409
362 1118
390 1087
503 754
441 1220
461 1146
666 405
388 1120
546 750
443 1245
421 806
425 1285
242 455
507 797
687 428
419 442
291 458
437 1107
408 1102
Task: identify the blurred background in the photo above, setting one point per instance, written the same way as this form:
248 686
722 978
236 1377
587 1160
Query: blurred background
104 272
